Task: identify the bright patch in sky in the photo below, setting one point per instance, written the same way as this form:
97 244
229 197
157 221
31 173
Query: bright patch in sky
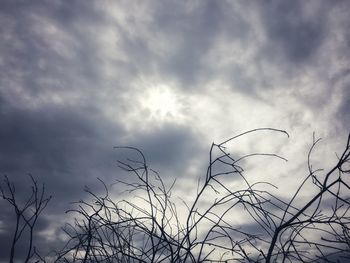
162 103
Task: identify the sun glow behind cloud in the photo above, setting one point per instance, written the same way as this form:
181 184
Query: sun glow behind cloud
162 102
151 103
157 103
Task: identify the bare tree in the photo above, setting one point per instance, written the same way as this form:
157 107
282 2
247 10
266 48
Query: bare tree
148 227
325 215
146 223
26 213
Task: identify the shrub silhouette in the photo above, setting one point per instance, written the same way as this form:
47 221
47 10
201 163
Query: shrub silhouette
148 226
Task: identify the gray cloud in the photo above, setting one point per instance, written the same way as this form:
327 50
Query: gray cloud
197 31
292 32
169 147
6 235
66 148
68 72
56 143
344 109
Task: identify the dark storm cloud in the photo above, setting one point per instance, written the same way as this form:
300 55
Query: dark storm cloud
168 148
7 216
6 230
65 146
296 35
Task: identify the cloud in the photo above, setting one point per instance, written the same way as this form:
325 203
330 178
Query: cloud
168 147
7 219
295 29
55 142
65 148
74 81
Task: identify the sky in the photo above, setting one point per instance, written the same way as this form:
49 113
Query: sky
169 77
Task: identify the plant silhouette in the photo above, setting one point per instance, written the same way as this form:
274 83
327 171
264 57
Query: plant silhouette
148 226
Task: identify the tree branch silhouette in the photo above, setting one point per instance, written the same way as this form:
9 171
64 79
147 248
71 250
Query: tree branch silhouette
26 213
146 223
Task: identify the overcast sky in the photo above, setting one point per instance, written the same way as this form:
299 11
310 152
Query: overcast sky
169 77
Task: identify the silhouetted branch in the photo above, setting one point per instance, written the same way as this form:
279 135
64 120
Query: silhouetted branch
26 213
146 226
